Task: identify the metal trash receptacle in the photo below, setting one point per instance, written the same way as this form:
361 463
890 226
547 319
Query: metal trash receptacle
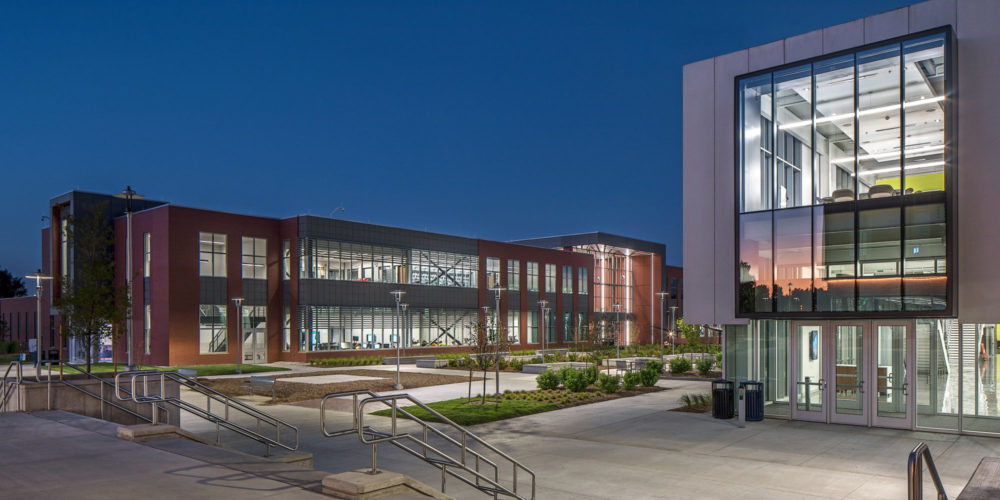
754 394
722 398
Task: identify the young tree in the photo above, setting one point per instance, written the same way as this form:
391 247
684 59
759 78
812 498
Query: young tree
94 307
691 333
11 286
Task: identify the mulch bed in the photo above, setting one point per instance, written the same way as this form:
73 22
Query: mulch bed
290 393
692 409
603 396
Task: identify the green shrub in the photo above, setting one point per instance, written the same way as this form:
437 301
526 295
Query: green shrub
547 380
704 365
563 373
577 380
630 380
680 365
573 356
591 374
504 363
648 376
718 358
608 383
656 366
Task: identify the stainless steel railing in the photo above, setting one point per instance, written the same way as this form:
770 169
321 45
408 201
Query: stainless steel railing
268 429
467 467
103 394
915 474
10 388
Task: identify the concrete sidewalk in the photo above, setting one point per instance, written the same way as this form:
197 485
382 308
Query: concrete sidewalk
635 448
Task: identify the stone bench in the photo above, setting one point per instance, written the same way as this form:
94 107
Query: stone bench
432 363
541 367
404 360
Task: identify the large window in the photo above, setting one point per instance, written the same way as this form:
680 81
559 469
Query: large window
336 260
532 276
286 331
567 279
533 327
146 255
567 327
841 165
147 322
550 278
286 260
326 328
211 329
513 274
514 326
493 273
212 255
254 258
583 281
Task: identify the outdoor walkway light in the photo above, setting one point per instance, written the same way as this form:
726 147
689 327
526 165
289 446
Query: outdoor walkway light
663 297
542 307
128 195
496 333
673 325
239 332
404 326
39 288
398 294
618 309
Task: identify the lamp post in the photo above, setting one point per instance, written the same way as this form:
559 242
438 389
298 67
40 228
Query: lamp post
128 195
39 288
673 326
542 305
496 334
404 319
398 295
663 297
618 309
239 332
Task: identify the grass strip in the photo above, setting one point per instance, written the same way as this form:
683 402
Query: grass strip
462 412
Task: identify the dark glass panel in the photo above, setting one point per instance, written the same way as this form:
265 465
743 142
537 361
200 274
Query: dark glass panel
793 259
834 257
755 263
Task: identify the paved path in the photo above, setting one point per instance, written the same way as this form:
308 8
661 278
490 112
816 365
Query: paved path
44 458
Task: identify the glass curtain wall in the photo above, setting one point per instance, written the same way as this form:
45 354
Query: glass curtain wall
842 179
336 260
331 328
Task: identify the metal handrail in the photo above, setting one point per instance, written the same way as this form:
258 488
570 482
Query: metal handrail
8 388
441 460
915 474
101 397
220 421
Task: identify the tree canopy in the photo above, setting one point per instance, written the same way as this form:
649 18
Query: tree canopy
10 285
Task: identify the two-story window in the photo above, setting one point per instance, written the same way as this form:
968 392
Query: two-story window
532 276
146 255
582 280
842 182
567 279
513 274
254 258
493 273
212 255
550 278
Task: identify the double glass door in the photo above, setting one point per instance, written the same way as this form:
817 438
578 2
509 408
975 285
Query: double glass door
853 372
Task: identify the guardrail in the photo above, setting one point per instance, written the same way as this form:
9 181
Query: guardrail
221 421
10 388
449 466
915 474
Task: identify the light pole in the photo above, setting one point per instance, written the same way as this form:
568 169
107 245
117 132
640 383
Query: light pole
128 195
618 308
239 332
403 326
542 305
39 288
673 326
398 295
663 296
496 334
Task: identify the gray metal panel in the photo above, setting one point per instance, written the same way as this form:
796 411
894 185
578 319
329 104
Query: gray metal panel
349 293
844 36
887 25
767 55
804 46
359 232
212 290
727 67
567 302
255 292
978 150
530 300
513 300
927 15
145 291
699 192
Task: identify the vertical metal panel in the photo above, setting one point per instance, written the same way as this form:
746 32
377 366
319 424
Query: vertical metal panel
843 36
726 69
931 14
976 163
699 192
767 55
804 46
887 25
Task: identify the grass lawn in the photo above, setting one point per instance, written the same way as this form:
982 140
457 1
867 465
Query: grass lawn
7 358
203 370
463 413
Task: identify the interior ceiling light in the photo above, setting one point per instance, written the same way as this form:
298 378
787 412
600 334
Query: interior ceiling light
886 156
896 169
873 111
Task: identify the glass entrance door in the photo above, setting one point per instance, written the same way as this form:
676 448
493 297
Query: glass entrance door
809 371
893 354
850 370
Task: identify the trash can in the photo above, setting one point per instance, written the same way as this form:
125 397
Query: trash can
754 394
722 398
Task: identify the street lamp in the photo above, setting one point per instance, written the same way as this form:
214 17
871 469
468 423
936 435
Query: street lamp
239 332
542 307
673 327
496 334
663 297
404 319
398 295
128 195
39 288
618 309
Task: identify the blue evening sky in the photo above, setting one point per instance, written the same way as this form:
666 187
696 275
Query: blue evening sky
497 120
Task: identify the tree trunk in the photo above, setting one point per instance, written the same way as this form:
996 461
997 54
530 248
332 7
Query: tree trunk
470 382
